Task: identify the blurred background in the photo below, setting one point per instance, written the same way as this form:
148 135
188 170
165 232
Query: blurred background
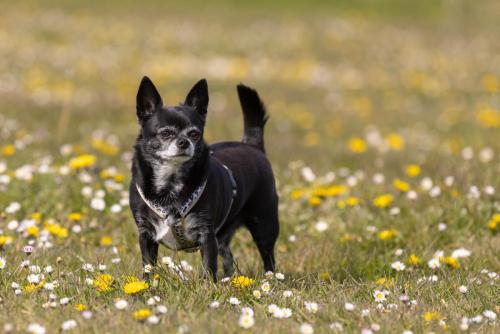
337 76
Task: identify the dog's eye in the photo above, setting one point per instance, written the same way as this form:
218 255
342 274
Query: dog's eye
167 134
194 134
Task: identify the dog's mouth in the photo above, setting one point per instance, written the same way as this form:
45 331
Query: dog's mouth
182 156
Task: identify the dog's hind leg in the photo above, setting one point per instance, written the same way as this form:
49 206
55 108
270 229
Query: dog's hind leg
264 228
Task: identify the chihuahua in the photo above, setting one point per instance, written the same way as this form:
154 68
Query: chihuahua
188 195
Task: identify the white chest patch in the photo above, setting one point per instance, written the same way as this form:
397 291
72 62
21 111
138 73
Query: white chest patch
164 233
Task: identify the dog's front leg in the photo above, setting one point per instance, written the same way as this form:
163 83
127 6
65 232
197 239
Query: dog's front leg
149 251
209 251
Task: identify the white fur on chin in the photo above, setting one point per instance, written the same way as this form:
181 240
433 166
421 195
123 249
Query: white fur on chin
170 165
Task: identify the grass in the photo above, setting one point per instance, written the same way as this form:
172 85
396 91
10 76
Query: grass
355 95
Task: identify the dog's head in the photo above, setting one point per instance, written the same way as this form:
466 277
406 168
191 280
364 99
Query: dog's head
172 135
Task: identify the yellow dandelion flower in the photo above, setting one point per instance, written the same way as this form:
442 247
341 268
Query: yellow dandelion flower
104 147
336 190
383 281
82 161
30 288
352 201
332 191
414 260
388 234
413 170
135 287
36 215
488 117
75 216
320 192
432 315
8 150
341 204
57 230
450 261
357 145
242 281
119 177
80 307
395 141
297 194
401 185
102 283
314 201
383 201
142 314
106 241
5 240
33 231
494 222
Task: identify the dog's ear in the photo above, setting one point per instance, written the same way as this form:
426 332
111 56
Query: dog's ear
198 97
148 99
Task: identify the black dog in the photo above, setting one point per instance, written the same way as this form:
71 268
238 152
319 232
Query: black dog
188 195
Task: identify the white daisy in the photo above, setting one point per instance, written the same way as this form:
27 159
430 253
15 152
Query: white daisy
379 296
246 321
460 253
321 226
121 304
434 263
87 314
13 207
97 204
490 315
247 311
306 328
398 266
234 301
311 307
161 309
153 320
265 287
349 306
68 325
35 328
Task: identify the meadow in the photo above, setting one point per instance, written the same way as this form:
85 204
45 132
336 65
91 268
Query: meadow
384 137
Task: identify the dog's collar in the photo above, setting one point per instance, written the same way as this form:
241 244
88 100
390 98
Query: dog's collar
178 226
183 210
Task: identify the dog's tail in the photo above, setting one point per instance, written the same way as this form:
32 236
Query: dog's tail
254 115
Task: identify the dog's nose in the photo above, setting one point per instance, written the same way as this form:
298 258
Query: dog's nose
182 143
